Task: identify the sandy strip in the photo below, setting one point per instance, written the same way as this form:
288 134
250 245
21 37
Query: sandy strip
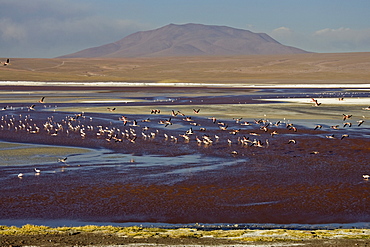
354 101
170 84
138 236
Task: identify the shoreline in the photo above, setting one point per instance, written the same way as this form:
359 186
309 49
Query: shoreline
142 236
180 85
200 226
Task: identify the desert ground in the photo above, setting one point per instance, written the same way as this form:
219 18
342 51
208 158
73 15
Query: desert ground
255 142
313 68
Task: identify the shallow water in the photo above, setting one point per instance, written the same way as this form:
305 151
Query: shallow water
158 179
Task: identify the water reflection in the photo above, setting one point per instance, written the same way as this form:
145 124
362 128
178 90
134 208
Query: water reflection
87 161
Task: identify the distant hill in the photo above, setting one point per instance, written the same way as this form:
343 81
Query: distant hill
189 40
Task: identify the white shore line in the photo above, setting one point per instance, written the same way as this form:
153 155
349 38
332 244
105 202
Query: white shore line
158 84
348 100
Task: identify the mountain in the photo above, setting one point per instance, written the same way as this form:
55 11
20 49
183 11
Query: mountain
189 40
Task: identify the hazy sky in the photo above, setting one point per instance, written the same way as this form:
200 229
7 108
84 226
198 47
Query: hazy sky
50 28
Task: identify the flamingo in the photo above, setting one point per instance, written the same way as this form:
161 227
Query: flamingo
7 62
63 160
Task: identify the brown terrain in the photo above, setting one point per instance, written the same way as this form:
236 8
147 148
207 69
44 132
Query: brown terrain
308 68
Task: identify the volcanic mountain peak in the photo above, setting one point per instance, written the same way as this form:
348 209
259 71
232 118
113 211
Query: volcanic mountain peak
189 40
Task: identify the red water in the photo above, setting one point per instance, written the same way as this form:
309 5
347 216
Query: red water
187 182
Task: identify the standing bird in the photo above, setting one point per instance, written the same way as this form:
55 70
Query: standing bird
134 123
132 140
213 119
223 127
189 131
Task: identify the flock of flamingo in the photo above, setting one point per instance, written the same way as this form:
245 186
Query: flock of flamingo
174 127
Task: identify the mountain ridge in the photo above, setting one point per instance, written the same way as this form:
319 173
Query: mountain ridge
189 40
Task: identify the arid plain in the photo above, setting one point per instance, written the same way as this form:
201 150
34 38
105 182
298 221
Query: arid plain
313 68
252 157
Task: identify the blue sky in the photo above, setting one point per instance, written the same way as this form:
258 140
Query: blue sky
50 28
